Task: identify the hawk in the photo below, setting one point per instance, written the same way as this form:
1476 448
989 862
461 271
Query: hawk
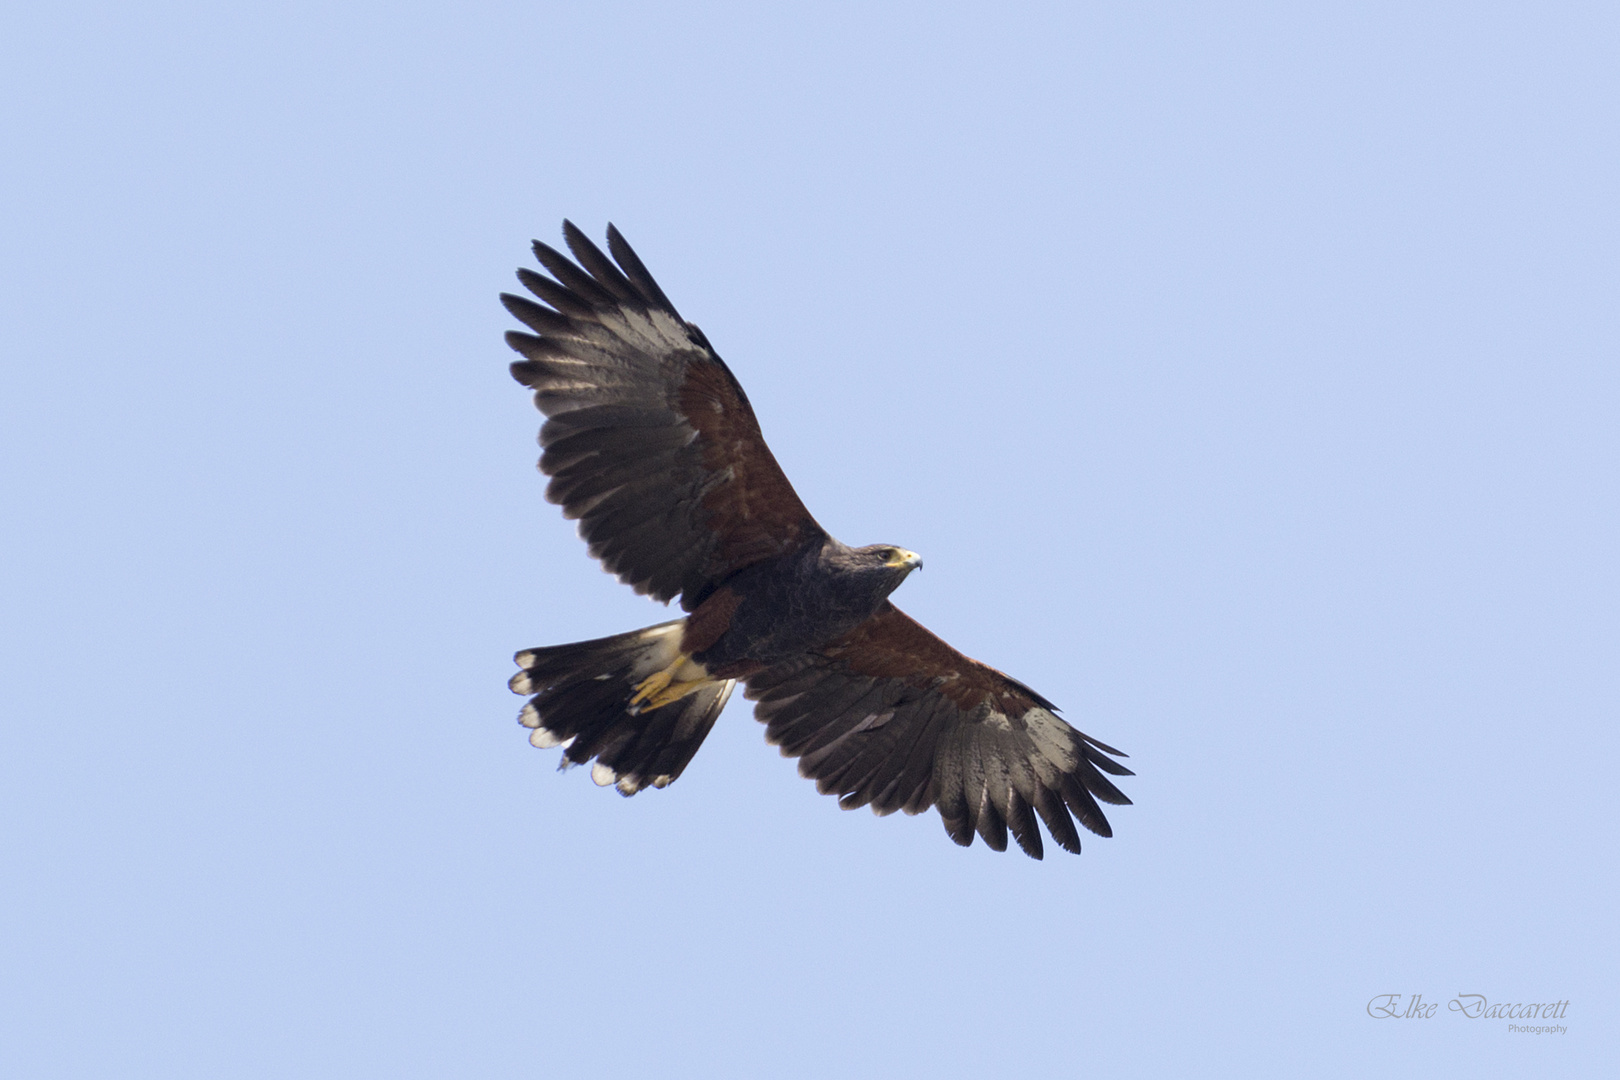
652 446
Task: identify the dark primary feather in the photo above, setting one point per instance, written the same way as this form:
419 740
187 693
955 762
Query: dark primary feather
649 439
633 266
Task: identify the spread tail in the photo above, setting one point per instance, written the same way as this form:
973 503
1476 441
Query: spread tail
582 702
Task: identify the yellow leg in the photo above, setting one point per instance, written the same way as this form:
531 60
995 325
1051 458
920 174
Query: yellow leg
668 686
649 686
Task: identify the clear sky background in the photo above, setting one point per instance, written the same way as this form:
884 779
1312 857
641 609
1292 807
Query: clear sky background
1248 375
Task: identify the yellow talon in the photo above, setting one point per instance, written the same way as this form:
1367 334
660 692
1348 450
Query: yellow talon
671 694
668 686
650 686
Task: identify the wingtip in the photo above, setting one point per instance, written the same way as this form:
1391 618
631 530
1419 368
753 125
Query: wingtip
636 270
1104 747
574 236
543 251
519 342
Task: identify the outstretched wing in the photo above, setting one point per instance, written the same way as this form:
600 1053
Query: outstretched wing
649 439
892 717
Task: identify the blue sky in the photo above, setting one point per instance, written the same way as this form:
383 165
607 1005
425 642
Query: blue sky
1245 373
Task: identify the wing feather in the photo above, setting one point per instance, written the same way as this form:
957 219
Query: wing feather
892 717
650 442
601 268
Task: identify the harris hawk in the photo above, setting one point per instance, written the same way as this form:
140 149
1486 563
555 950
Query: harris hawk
652 446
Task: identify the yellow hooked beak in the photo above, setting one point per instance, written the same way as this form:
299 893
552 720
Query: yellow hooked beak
901 558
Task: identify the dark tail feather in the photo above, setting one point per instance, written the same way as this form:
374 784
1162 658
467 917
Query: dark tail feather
581 700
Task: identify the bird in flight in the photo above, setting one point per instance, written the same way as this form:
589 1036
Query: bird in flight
652 446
